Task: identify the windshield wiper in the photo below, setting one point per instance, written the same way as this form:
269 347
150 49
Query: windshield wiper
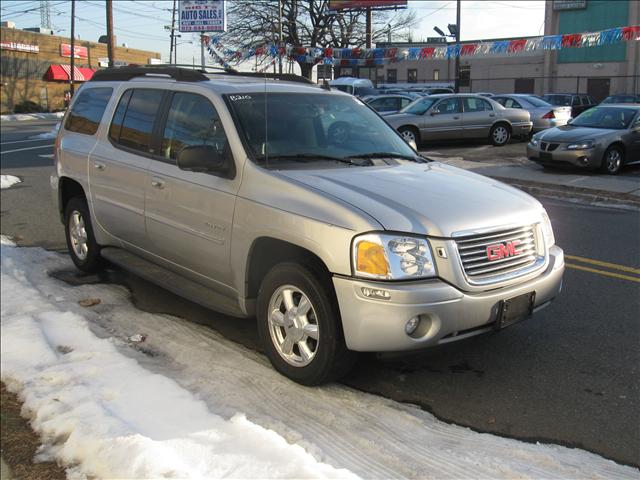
388 155
308 157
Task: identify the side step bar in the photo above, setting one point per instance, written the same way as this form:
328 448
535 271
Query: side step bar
171 281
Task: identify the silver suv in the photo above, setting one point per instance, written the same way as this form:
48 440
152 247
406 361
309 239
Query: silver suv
299 205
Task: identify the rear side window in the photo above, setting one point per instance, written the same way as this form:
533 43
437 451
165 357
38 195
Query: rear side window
473 104
192 121
135 116
87 111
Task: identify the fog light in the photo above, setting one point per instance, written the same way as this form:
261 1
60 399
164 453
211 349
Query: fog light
584 160
412 325
377 293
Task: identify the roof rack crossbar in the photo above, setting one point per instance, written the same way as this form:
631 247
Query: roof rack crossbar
129 72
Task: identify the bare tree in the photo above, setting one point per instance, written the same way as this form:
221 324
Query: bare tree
308 23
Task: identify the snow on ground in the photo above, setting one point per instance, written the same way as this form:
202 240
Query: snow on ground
19 117
50 135
7 181
186 402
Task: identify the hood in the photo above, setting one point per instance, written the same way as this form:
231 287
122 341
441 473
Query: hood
432 199
569 133
398 119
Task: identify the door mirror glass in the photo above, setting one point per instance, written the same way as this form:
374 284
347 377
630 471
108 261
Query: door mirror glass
201 158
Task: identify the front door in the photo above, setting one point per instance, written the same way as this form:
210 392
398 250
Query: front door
189 214
118 166
443 121
477 118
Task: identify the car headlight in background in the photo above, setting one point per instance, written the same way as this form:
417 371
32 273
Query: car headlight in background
392 257
534 142
581 145
547 230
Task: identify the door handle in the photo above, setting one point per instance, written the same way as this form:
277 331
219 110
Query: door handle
492 114
456 118
157 183
99 166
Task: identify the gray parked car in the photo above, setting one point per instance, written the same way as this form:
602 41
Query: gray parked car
230 190
542 113
444 117
388 103
605 137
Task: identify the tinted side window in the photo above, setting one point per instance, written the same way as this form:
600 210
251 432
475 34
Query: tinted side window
575 101
87 111
139 118
116 123
192 121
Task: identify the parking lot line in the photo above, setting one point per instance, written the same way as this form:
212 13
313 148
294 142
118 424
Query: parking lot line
603 272
600 263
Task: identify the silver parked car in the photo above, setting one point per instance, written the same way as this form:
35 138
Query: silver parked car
388 103
444 117
542 113
230 190
605 137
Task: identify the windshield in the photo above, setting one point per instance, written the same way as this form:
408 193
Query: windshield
605 117
307 127
558 100
420 106
343 88
620 99
536 101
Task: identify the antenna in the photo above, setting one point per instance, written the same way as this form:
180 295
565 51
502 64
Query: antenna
45 14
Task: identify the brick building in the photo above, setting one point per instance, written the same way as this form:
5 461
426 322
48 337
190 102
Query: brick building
35 66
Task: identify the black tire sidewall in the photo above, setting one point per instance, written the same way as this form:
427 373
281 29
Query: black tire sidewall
493 142
323 367
605 167
93 261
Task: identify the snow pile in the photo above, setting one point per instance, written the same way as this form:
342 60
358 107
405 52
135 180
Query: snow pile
105 414
19 117
7 181
50 135
98 406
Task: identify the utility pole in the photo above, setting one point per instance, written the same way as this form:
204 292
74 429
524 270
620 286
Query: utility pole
202 62
173 29
45 14
110 49
369 33
457 84
279 35
73 46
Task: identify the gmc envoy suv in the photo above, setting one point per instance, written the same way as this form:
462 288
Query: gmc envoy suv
299 205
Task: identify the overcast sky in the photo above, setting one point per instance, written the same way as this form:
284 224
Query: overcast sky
140 23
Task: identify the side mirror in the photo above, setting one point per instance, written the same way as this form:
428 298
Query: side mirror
434 112
202 158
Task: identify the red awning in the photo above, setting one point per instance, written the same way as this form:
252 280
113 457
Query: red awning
62 73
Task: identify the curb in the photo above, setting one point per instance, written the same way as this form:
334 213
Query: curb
20 117
588 195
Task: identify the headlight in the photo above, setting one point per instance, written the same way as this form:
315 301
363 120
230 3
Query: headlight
581 145
547 230
392 257
534 142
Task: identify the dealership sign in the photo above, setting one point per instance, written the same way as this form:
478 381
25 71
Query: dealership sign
19 47
202 16
79 52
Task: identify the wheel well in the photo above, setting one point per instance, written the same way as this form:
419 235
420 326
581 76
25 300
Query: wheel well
502 122
68 189
266 252
617 144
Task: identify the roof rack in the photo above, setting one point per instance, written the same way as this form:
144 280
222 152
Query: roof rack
129 72
287 77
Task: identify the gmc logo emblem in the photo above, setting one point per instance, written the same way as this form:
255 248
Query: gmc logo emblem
503 250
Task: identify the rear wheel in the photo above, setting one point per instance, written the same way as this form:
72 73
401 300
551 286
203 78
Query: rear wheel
500 134
299 325
612 160
83 248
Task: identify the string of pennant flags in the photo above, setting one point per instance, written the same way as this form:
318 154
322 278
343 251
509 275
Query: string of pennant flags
267 54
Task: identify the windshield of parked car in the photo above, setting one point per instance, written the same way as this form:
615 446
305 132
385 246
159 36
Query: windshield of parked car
558 100
304 127
420 106
536 101
620 99
605 117
343 88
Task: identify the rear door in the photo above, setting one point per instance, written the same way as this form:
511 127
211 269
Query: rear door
118 166
443 121
477 117
189 214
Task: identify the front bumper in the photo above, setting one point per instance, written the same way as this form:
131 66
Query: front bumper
447 313
589 158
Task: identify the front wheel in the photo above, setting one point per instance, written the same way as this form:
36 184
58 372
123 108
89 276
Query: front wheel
299 325
500 135
82 245
612 160
409 135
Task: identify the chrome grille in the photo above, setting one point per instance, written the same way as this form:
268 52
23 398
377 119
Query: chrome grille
474 253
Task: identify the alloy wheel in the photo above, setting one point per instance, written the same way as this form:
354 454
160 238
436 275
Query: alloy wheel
78 235
613 160
408 136
500 135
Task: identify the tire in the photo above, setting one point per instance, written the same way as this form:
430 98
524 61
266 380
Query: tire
81 242
612 160
409 134
288 339
500 134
